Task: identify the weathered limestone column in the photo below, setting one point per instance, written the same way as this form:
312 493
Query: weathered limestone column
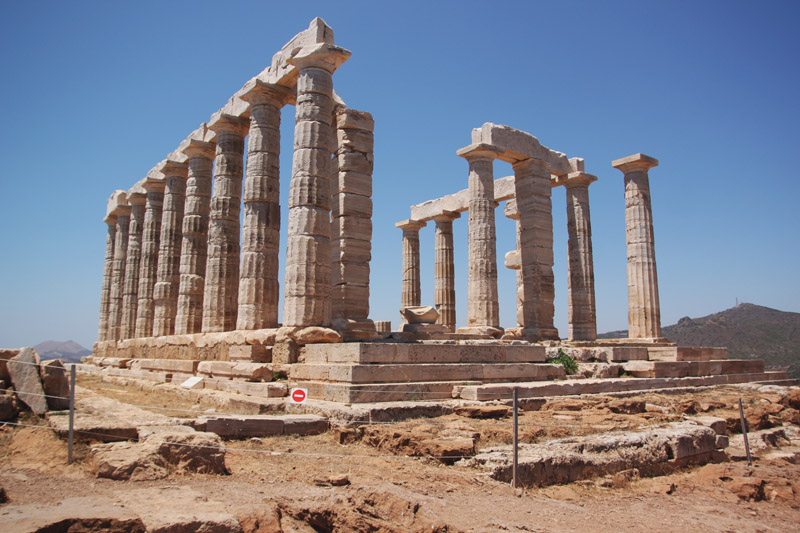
222 264
148 271
351 232
483 312
165 294
307 292
533 198
261 229
512 260
130 291
108 268
444 295
123 212
194 243
582 314
410 292
644 312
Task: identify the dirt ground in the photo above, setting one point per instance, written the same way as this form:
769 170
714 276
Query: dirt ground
362 479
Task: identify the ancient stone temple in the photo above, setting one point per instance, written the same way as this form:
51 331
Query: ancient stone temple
191 288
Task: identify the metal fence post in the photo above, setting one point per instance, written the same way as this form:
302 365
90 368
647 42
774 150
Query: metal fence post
71 413
744 434
515 479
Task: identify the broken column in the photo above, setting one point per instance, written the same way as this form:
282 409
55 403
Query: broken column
165 293
108 267
130 291
123 212
307 291
444 296
483 312
351 231
582 314
148 269
258 279
222 264
410 291
644 314
194 241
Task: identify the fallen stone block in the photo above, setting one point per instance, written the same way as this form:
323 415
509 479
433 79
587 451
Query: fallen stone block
304 425
23 370
55 384
229 369
241 427
483 411
5 355
420 314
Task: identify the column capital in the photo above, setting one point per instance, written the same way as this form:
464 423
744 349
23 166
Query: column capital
117 199
137 198
447 216
110 219
154 182
635 162
197 148
169 167
327 56
225 123
575 179
410 225
257 92
479 152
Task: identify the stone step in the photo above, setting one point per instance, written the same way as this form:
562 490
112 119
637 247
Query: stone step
504 391
686 353
401 373
184 366
402 353
382 392
234 369
246 426
664 369
266 389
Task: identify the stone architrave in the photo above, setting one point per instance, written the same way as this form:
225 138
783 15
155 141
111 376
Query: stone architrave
165 295
351 233
222 264
410 290
483 309
533 198
307 290
258 278
194 244
130 292
644 312
108 267
148 270
444 296
123 213
582 314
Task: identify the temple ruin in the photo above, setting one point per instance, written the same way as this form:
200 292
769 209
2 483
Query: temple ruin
188 292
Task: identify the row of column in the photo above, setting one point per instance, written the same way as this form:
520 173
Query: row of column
174 263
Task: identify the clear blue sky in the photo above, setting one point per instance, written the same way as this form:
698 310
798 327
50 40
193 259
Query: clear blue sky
95 93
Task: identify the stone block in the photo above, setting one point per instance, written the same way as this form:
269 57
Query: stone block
353 182
23 370
170 365
421 314
352 119
55 384
355 140
265 389
255 353
245 426
626 353
285 353
425 328
304 425
233 369
354 161
348 204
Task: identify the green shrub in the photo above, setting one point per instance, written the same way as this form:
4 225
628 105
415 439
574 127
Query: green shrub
563 359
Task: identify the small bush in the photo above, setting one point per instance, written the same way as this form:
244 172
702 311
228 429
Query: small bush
563 359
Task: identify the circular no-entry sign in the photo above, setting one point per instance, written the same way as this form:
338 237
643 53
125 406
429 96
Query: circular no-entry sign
298 395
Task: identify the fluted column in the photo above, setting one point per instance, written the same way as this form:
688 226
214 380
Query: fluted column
194 243
582 314
533 191
444 296
644 312
307 296
130 291
410 291
261 229
483 309
108 268
123 213
148 270
165 295
222 264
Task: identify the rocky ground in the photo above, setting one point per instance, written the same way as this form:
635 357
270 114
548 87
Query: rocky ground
409 475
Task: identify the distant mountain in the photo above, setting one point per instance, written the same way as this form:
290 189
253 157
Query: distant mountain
67 351
748 331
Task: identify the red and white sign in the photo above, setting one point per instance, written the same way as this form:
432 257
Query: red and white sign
298 395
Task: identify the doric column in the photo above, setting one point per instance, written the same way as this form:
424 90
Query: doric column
108 268
351 232
307 295
165 295
533 198
258 279
410 292
148 271
222 264
123 212
582 314
482 303
194 243
444 295
130 291
644 312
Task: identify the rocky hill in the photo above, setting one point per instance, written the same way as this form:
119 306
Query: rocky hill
748 331
67 351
